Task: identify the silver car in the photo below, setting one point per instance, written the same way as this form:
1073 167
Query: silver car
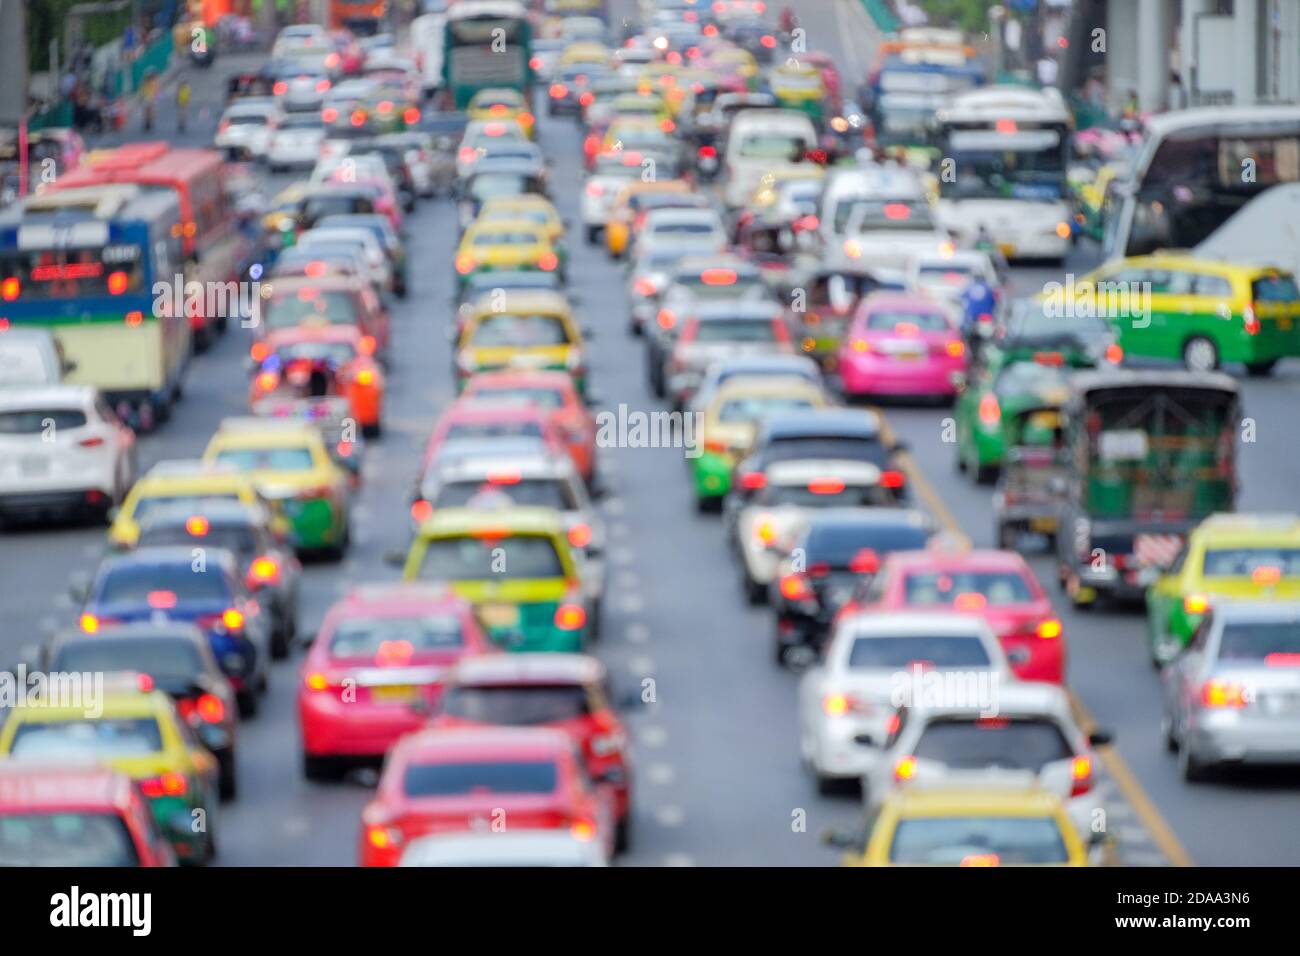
1233 696
722 330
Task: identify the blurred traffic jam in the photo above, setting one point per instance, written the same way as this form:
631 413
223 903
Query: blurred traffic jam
358 371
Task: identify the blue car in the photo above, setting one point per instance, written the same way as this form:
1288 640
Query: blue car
200 585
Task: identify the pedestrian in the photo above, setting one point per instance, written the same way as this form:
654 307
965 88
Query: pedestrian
182 104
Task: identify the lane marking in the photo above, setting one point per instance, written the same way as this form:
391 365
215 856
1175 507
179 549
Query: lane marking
1161 833
637 633
661 774
679 859
652 736
641 665
670 815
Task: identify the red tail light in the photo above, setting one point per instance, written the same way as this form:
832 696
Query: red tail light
1220 694
535 63
559 91
644 286
1114 354
795 587
167 785
1080 775
753 480
93 442
892 479
580 535
117 283
570 617
9 289
768 41
421 510
990 412
322 86
329 114
548 262
207 707
1051 628
232 618
263 571
865 561
280 88
410 116
708 152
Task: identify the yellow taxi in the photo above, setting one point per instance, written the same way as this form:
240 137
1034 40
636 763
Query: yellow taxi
968 826
532 329
623 211
734 61
651 106
731 421
585 51
289 462
504 104
135 730
531 207
1234 557
179 482
659 77
799 86
505 245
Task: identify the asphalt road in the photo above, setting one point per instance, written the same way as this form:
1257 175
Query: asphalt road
716 770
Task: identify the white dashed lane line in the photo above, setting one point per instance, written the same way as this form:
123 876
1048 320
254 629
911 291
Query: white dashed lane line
637 634
670 815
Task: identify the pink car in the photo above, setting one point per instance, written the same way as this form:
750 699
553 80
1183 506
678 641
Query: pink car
902 344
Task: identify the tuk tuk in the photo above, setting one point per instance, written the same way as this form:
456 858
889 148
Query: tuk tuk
799 86
1033 476
1150 454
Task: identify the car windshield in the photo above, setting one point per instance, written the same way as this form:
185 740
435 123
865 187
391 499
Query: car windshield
491 557
974 588
538 492
877 215
902 323
267 459
240 539
519 331
1262 564
825 447
517 704
479 777
103 737
40 421
942 651
1009 743
310 305
771 146
502 429
736 330
493 185
548 398
72 838
161 585
480 283
162 658
1273 642
393 636
756 407
838 544
506 237
953 840
194 503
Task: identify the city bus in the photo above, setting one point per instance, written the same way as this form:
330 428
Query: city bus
1194 169
215 249
486 43
1009 147
910 86
362 17
83 263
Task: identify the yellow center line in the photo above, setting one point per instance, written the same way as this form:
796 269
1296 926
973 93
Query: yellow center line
1142 805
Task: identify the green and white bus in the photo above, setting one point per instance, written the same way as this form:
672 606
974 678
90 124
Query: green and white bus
486 44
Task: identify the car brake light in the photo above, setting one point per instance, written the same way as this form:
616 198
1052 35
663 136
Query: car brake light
329 115
559 91
892 479
9 289
421 510
826 486
322 86
580 535
583 830
1080 775
708 152
232 618
1050 628
1248 315
317 681
753 480
980 859
167 785
1196 604
866 561
89 623
990 411
267 381
280 88
93 442
666 319
535 63
410 116
209 707
117 282
467 154
795 587
464 265
595 189
643 286
768 41
956 348
383 838
548 262
1221 694
570 617
905 768
263 570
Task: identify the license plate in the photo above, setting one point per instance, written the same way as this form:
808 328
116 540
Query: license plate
1042 524
394 694
33 466
499 615
1283 703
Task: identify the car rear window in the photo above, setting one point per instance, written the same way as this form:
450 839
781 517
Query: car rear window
105 737
533 492
461 430
459 779
65 839
837 545
995 588
394 637
1010 840
754 408
901 322
1281 288
546 397
160 657
519 331
241 540
491 557
1251 562
195 502
823 495
40 421
161 585
517 704
940 651
310 305
1273 642
736 330
796 448
1023 743
267 459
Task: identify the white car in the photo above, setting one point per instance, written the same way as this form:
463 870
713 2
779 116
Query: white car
479 135
946 273
296 141
1029 729
759 141
380 269
694 227
31 357
508 848
62 450
849 703
246 127
611 172
769 523
887 233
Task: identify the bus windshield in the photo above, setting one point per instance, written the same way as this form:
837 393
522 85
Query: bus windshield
486 51
1028 164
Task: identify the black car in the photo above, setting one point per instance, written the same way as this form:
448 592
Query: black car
175 658
839 547
271 569
825 434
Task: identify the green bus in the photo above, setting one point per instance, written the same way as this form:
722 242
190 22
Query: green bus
486 44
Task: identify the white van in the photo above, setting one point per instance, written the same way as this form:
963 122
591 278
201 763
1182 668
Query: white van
426 43
761 140
31 357
847 186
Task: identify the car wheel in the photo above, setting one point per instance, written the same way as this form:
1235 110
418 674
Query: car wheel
321 768
826 786
373 430
1260 369
623 833
280 642
1167 729
229 780
755 593
247 700
593 234
1200 354
1191 767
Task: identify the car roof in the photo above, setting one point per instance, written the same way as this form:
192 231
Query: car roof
819 422
481 744
977 560
529 668
449 522
36 785
967 800
903 622
1248 528
164 555
30 396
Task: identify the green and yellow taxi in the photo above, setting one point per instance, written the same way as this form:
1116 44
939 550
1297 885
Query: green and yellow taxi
530 329
504 104
179 482
731 420
1233 557
735 61
649 105
585 51
290 464
995 394
135 730
533 208
505 245
514 565
968 826
1090 195
1204 312
799 86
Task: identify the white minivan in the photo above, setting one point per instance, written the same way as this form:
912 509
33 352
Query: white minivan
761 140
31 357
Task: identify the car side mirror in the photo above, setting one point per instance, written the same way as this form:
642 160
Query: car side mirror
79 587
839 838
1101 738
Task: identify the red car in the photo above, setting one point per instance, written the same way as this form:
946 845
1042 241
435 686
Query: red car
565 691
555 392
376 669
319 362
480 418
997 585
487 778
76 816
328 300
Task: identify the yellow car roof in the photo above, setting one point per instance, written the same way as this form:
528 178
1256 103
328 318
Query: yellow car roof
116 702
458 522
921 801
497 96
796 69
768 386
263 433
582 51
521 201
210 479
523 301
1246 530
1182 261
537 229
